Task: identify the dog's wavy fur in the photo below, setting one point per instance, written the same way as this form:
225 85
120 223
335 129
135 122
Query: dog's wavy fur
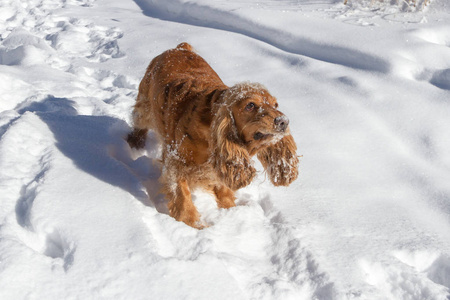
209 131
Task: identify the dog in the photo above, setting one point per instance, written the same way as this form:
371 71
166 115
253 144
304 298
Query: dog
209 131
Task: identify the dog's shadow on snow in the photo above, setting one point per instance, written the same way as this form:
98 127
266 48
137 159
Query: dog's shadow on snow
96 145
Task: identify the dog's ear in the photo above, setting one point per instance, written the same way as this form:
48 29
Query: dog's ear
280 161
229 158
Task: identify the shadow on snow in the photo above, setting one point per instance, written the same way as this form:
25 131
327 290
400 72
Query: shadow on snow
97 146
205 16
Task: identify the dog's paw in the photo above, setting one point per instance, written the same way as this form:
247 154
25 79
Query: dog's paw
188 215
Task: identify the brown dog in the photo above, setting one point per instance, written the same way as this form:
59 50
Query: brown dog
209 131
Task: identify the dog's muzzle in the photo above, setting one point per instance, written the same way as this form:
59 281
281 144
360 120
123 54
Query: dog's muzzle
281 123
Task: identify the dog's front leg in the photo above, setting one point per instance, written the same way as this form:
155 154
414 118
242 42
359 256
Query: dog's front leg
180 204
224 196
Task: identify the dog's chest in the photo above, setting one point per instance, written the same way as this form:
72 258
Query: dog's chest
193 146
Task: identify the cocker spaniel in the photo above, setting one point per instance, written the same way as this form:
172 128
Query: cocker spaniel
209 131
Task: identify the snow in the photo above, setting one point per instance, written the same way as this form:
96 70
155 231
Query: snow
365 85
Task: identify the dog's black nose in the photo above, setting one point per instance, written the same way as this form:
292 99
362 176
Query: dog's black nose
281 123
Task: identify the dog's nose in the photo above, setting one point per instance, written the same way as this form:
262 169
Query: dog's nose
281 123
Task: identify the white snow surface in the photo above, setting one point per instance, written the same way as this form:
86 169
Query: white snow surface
366 87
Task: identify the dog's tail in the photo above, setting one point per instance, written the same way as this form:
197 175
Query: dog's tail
185 46
136 138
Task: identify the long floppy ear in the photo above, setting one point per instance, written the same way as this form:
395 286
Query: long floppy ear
229 158
280 161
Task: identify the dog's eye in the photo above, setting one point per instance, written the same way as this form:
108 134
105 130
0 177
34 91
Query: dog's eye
276 105
251 106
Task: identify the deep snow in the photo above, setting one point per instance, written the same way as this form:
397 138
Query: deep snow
366 87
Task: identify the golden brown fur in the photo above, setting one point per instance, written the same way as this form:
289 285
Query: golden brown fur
209 131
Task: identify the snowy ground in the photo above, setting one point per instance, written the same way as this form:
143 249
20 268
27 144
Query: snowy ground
367 90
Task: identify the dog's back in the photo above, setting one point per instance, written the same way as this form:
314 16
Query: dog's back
176 82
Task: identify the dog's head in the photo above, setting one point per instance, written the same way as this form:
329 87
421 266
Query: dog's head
254 111
248 122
